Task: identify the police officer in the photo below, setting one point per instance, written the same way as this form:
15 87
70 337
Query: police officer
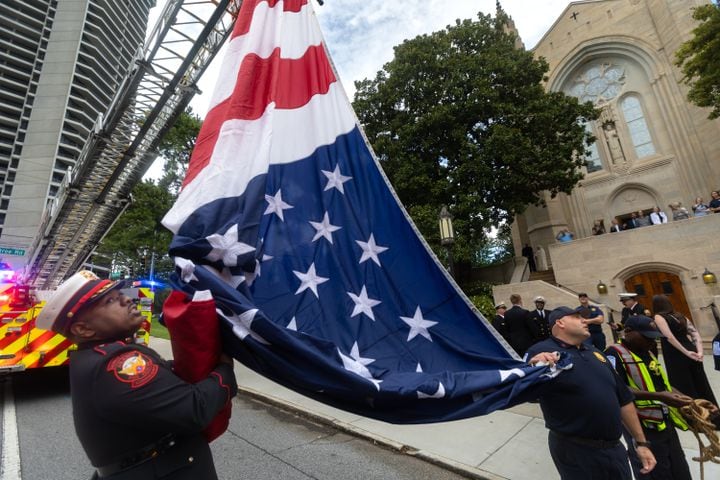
655 400
585 406
134 417
595 320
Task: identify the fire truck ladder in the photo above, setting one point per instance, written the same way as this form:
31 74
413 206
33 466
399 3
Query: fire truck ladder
123 145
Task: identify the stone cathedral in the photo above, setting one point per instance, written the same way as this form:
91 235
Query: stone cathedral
652 148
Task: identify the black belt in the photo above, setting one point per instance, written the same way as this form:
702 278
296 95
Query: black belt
587 442
139 456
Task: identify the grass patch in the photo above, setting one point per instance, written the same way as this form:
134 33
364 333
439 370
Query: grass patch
159 331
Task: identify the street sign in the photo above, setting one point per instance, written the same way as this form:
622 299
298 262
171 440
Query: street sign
12 251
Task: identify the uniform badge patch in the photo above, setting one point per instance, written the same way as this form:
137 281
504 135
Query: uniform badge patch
600 357
133 368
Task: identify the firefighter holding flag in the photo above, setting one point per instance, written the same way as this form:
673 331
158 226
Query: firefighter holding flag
135 418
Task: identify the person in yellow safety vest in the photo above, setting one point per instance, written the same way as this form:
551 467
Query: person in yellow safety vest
656 401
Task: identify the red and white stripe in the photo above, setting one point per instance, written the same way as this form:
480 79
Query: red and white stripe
276 101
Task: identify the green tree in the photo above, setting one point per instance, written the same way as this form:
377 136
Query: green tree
699 59
138 235
176 148
460 118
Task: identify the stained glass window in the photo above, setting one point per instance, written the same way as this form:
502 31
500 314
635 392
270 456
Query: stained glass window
598 83
637 126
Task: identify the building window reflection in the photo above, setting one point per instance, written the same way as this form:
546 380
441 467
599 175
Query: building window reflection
593 163
637 126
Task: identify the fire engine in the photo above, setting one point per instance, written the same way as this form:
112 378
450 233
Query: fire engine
23 346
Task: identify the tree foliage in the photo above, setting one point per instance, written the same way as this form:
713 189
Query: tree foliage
138 232
176 148
138 235
460 118
699 59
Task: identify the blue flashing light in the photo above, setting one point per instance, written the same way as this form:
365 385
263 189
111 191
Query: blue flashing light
148 283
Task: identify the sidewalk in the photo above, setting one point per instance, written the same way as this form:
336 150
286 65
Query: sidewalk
509 444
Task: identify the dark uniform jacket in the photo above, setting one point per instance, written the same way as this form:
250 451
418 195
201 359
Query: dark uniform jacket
540 323
637 309
127 401
519 329
499 324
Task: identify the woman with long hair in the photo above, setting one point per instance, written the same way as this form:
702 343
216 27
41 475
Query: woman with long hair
682 350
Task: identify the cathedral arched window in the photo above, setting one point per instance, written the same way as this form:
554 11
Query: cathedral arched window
637 126
593 162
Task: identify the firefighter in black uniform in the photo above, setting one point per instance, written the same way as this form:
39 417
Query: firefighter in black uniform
630 307
134 417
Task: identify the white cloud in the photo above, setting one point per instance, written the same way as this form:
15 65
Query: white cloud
361 34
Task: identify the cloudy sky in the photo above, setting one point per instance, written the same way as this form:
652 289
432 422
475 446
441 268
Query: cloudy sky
361 34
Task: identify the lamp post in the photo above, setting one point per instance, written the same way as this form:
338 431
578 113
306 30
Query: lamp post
447 236
709 277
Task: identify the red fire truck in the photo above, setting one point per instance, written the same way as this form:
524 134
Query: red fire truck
23 346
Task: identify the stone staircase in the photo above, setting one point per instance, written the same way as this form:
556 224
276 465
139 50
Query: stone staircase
546 276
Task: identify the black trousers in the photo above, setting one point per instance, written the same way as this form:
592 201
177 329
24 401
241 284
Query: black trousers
581 462
189 459
671 462
598 339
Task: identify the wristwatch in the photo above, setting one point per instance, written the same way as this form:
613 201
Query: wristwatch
637 444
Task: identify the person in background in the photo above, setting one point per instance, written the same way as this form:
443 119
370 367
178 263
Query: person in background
528 253
539 317
565 236
682 350
520 330
714 205
700 208
586 406
499 321
615 226
598 228
656 401
630 307
658 217
678 211
594 321
632 222
642 220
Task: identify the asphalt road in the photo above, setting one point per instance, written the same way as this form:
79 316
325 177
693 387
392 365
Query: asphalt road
261 443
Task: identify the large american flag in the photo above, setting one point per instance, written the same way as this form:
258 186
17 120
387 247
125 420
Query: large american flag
323 282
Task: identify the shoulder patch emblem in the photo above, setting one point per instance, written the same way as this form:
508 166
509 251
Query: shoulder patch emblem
600 357
133 368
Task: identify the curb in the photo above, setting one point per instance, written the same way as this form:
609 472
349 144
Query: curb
440 461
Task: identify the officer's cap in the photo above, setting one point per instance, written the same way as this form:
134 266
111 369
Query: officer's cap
561 312
539 298
642 324
626 296
82 289
500 305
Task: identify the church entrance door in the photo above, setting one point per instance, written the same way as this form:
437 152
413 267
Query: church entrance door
655 283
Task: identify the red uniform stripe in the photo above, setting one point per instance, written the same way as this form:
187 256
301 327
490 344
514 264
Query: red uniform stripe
289 83
242 25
